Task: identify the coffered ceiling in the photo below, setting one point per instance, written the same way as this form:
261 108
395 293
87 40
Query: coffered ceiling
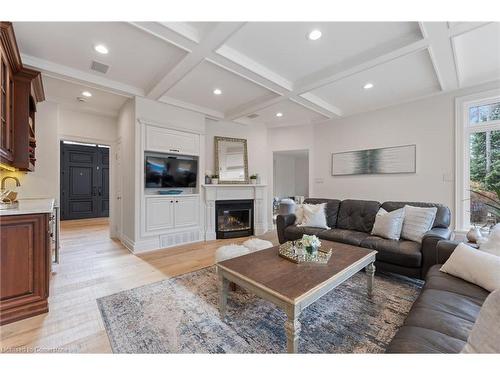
265 68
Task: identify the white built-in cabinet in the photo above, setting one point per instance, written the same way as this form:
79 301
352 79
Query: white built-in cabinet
171 141
163 212
170 220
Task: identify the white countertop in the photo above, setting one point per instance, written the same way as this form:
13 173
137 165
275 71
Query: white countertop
31 206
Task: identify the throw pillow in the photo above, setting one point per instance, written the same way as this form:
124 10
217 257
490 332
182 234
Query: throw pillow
299 214
492 243
388 224
417 221
485 332
314 216
474 266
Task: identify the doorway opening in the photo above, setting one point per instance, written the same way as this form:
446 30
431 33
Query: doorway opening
84 176
290 177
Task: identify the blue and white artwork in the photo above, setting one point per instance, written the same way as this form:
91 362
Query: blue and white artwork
400 159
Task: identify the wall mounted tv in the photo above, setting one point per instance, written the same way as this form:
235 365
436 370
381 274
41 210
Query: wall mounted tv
170 171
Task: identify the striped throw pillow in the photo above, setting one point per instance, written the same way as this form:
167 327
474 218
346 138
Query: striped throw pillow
418 220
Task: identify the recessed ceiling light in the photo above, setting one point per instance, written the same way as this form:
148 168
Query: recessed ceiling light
279 114
368 86
314 35
101 48
217 91
87 94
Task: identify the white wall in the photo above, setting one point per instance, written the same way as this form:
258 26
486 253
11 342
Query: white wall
256 136
81 125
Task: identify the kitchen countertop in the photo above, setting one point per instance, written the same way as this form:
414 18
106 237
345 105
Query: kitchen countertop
31 206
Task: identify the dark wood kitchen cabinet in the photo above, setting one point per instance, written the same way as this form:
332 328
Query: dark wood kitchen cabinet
25 261
20 90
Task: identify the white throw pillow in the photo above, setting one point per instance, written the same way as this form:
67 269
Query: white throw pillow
417 221
299 214
474 266
388 224
492 243
314 216
485 334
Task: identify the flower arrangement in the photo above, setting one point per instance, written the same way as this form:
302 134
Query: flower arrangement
311 243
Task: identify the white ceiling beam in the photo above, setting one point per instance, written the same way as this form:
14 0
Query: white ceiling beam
64 72
192 107
213 40
161 31
317 104
441 53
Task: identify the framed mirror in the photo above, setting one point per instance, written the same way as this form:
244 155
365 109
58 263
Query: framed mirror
231 160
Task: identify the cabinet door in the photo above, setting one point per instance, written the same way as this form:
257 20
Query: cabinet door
6 117
171 141
186 211
159 213
25 263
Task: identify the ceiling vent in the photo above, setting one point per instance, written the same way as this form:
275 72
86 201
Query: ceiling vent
81 99
99 67
253 115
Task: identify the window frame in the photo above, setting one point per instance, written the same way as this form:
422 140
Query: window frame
463 131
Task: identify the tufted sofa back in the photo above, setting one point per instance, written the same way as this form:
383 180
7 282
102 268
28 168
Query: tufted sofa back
357 215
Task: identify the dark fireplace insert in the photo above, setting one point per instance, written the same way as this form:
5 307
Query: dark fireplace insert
234 218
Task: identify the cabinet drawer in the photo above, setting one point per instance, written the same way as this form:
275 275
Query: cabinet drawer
171 141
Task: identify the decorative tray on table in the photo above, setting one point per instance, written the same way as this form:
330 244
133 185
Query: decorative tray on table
290 251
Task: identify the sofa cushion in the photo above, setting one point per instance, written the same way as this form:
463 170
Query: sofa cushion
411 339
436 279
331 209
443 214
350 237
441 318
294 232
446 312
402 252
357 215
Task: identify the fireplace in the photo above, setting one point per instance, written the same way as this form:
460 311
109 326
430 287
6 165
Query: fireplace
233 218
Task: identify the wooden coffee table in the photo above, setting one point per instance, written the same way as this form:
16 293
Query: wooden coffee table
292 286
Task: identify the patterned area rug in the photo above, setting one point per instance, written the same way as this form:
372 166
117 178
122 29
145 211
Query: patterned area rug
180 315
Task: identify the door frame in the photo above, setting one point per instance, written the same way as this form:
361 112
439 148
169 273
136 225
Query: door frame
112 173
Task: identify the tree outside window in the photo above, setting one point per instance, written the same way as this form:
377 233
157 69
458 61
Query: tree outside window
484 165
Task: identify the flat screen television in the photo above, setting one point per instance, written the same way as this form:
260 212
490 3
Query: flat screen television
170 171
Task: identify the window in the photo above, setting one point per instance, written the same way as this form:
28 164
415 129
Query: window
478 162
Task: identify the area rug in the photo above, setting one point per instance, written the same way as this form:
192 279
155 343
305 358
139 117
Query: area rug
180 315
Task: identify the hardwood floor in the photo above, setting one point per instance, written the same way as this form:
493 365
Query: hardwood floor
92 266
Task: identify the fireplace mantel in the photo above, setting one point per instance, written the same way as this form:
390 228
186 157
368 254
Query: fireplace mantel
220 192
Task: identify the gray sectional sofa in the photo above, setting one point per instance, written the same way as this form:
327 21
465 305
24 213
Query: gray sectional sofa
351 222
442 317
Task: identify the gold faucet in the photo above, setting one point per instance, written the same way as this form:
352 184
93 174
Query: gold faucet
7 177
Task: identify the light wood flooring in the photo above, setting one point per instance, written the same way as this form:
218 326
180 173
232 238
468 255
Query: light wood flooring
92 266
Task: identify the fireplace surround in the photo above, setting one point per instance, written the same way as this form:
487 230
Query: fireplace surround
234 218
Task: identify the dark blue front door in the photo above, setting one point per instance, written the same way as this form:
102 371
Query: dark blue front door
84 181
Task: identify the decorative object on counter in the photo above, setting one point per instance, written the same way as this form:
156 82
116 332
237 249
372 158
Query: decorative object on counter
169 192
295 252
8 200
215 179
208 180
253 179
474 234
